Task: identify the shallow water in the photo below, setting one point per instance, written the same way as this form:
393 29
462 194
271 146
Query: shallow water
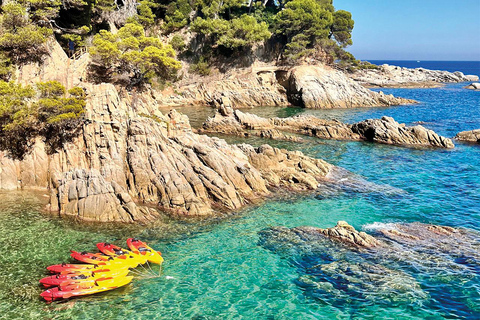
219 270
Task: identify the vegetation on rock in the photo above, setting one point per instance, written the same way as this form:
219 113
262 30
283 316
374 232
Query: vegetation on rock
132 53
46 111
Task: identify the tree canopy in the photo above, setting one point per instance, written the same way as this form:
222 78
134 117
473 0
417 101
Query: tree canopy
132 53
46 111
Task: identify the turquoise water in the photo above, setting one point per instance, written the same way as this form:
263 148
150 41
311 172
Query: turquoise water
219 270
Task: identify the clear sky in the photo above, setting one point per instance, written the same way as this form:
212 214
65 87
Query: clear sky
414 29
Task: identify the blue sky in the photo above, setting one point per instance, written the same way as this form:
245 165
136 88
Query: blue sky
414 30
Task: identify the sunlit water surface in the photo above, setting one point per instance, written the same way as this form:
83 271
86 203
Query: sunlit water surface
219 270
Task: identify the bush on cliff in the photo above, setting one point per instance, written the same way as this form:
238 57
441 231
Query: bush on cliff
131 53
236 34
47 112
20 39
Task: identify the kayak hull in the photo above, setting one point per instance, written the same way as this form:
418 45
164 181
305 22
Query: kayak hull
141 248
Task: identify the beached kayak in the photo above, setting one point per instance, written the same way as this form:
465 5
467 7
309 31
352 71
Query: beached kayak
63 279
141 248
74 290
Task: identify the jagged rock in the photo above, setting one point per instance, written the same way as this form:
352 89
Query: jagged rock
345 233
235 122
88 196
128 153
310 86
385 130
397 77
322 88
473 86
469 136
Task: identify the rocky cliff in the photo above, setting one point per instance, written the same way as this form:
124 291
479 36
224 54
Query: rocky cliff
130 159
399 77
315 86
385 130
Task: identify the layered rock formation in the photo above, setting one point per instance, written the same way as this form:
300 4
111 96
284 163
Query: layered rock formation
309 86
385 130
323 88
398 77
122 155
469 136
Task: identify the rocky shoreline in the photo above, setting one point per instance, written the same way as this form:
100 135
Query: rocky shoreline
385 130
387 76
131 161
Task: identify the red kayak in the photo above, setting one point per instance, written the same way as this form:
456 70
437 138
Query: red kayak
60 279
78 290
141 248
88 257
111 249
117 252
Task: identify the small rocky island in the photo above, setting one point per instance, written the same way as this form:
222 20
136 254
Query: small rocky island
387 76
469 136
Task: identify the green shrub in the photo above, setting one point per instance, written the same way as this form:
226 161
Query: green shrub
55 116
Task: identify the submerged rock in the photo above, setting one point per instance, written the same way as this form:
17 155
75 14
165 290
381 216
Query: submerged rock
469 136
385 130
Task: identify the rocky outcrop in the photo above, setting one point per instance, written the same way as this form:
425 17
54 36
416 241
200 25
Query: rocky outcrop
235 122
316 86
130 159
345 233
385 130
469 136
320 87
473 86
398 77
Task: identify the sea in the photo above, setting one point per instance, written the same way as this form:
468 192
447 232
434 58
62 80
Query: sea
221 268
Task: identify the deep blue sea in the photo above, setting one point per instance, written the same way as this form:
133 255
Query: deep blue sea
220 269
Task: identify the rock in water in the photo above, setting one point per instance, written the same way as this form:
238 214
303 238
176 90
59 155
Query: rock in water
385 130
398 77
473 86
469 136
321 88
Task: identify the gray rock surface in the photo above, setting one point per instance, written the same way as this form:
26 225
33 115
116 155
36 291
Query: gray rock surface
469 136
397 77
385 130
